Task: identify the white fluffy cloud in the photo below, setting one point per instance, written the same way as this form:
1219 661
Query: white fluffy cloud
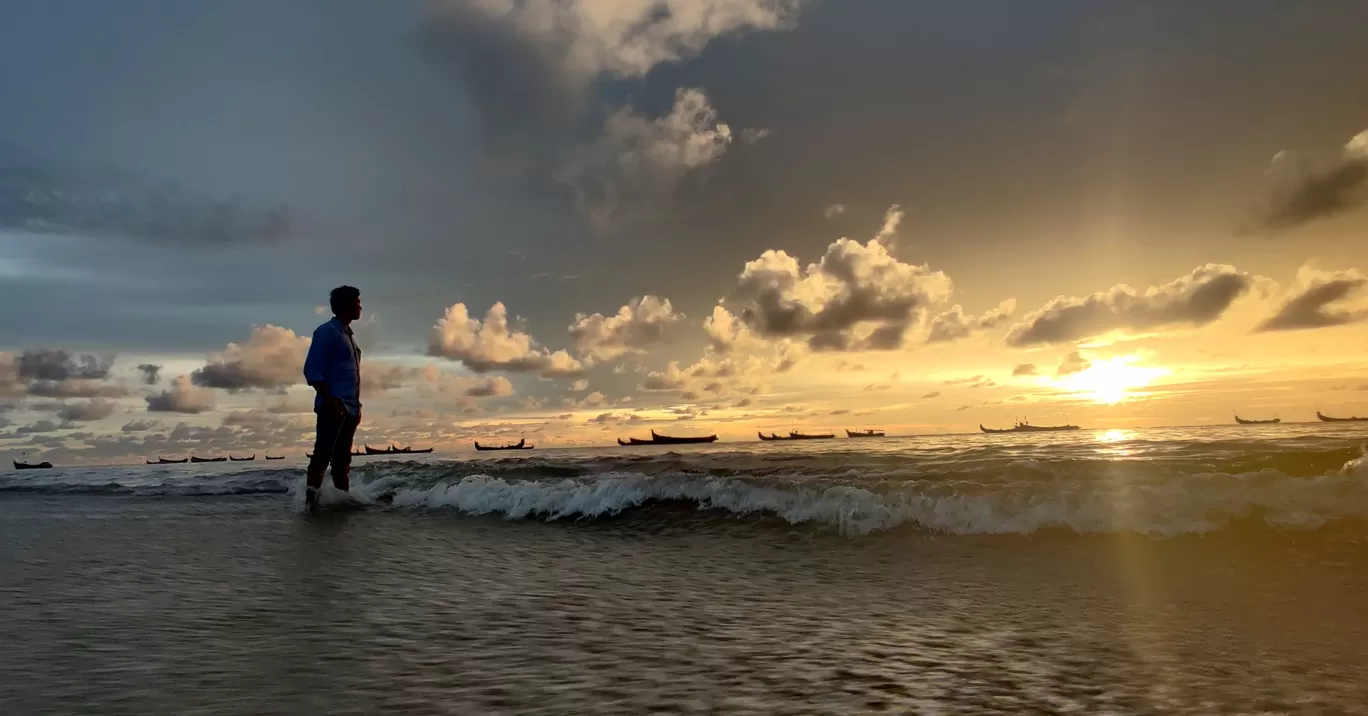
858 297
1197 299
644 322
272 357
492 345
181 397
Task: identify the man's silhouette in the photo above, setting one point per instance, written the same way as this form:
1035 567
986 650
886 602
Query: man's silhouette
333 369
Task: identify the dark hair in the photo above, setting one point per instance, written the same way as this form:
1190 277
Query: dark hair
343 297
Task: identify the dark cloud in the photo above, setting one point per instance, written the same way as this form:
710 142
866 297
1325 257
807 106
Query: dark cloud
1314 192
60 365
932 394
41 426
271 358
140 426
95 409
150 373
963 408
41 197
1311 305
1025 369
76 388
1196 299
181 397
964 381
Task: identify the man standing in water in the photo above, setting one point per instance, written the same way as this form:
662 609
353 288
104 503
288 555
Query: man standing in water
333 369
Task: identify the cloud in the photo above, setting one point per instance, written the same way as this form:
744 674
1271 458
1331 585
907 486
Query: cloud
953 324
40 196
1025 369
94 409
858 297
492 345
378 376
1195 299
181 397
140 426
436 380
579 386
963 408
833 211
932 394
490 387
60 365
150 373
642 323
1313 191
41 426
271 358
638 161
1311 304
76 388
1072 363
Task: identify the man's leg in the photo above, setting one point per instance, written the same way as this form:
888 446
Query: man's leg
341 455
329 425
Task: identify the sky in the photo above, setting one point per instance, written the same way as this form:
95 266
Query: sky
577 220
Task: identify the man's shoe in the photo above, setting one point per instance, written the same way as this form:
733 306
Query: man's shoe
311 499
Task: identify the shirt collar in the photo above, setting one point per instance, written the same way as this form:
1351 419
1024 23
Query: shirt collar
344 327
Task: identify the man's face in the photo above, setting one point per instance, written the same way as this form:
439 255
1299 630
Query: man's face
352 312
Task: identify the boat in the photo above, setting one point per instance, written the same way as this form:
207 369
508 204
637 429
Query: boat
392 450
658 439
1272 421
268 457
1328 419
520 445
32 465
1024 427
242 459
865 434
208 459
796 436
163 461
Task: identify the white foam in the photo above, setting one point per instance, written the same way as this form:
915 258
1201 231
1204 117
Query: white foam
1194 503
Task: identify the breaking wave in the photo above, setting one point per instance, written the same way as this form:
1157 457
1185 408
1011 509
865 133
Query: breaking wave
852 495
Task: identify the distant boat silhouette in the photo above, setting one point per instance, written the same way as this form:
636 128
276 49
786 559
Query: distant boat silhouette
242 459
163 461
208 459
1272 421
520 445
392 450
1328 419
1025 427
865 434
268 457
658 439
32 466
795 436
354 453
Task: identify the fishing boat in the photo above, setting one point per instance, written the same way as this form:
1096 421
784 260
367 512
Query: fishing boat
1328 419
392 450
268 457
163 461
242 459
658 439
865 434
208 459
45 465
1271 421
520 445
796 436
1025 427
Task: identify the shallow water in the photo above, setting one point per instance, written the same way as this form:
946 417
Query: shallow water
725 580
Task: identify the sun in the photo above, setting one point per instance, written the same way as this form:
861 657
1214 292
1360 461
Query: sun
1110 381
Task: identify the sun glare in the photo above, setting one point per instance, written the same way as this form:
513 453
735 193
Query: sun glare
1112 380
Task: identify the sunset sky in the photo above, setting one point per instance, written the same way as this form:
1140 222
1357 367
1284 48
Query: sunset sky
577 220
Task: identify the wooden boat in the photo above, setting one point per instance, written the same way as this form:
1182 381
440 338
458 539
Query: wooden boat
242 459
208 459
392 450
658 439
45 465
1242 421
865 434
163 461
520 445
268 457
796 436
1328 419
1028 428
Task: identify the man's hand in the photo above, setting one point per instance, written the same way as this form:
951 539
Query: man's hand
334 404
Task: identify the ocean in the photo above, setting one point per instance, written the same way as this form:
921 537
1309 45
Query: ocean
1157 571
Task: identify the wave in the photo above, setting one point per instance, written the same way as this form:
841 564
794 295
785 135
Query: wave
998 496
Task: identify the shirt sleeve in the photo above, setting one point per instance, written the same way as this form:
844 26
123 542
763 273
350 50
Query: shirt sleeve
316 360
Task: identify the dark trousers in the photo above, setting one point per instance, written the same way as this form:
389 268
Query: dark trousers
333 445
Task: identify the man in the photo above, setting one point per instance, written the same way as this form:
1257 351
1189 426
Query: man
333 369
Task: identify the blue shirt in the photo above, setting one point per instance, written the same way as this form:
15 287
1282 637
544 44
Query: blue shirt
334 359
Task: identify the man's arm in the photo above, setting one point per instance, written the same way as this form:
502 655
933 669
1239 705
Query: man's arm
320 352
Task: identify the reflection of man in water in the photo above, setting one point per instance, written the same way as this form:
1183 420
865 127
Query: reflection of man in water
333 368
